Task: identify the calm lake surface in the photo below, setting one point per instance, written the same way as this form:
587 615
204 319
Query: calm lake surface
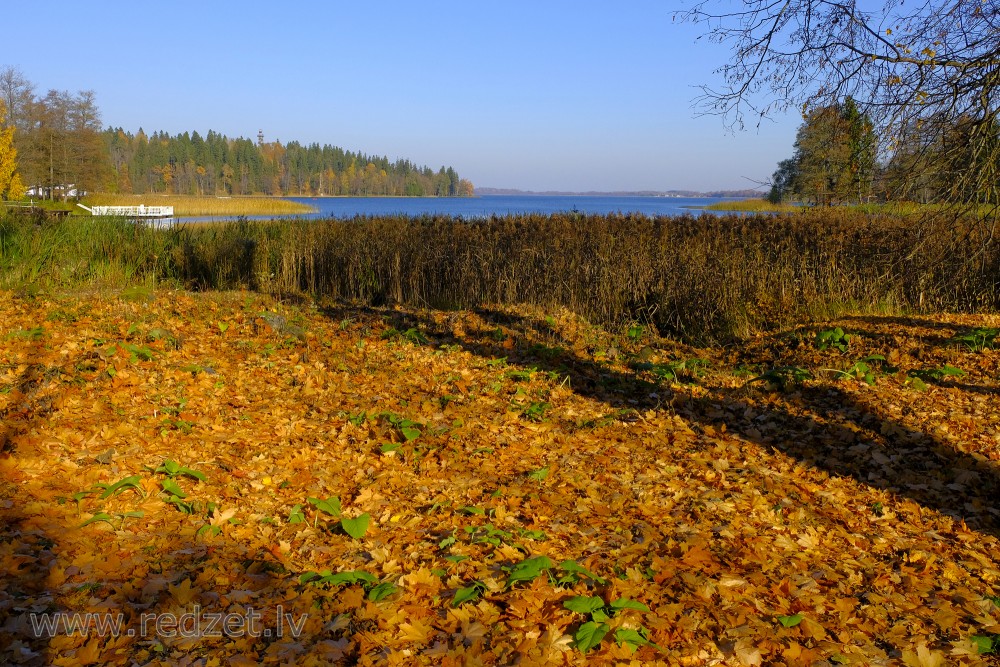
484 206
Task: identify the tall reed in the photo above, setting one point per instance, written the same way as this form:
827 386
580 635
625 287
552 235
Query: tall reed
703 278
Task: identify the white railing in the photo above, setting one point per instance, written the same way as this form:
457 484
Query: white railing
134 211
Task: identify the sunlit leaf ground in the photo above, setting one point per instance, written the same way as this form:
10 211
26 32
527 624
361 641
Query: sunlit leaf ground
537 490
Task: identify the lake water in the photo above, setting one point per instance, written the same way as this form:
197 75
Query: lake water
484 206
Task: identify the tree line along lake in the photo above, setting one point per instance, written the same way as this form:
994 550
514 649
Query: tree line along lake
485 206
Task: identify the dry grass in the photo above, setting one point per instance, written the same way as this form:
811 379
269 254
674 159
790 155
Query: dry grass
753 206
185 205
705 279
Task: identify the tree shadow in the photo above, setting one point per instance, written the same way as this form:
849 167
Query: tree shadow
824 426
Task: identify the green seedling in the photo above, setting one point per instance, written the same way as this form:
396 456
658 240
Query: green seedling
978 339
410 430
411 335
347 578
683 371
865 369
375 590
382 591
173 469
171 487
591 633
389 447
356 527
296 515
132 482
210 529
330 506
138 352
986 644
535 411
468 593
933 375
832 338
635 332
573 573
100 516
783 377
790 621
528 570
539 475
34 333
489 534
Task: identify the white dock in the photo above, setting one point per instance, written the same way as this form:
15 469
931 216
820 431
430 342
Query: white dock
155 215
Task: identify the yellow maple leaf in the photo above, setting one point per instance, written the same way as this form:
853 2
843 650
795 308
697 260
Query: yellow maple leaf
418 631
183 593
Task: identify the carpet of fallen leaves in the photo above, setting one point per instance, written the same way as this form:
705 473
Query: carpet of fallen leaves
500 486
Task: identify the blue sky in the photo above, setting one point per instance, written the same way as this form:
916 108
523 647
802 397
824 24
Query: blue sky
542 95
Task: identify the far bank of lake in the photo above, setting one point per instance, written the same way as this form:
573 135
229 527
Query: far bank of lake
485 206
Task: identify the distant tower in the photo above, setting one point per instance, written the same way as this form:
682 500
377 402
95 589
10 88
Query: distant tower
260 137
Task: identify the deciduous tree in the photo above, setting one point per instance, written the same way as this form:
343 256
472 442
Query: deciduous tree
908 62
10 182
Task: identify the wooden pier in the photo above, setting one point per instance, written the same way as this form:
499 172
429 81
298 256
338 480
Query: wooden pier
158 216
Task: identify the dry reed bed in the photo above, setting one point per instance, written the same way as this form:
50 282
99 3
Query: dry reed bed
708 278
200 205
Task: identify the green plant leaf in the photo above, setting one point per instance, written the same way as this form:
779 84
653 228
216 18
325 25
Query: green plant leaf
589 635
170 486
208 528
539 475
467 594
409 433
528 570
985 644
172 469
572 571
306 577
388 447
296 515
131 482
349 577
382 591
330 505
583 604
625 603
790 621
633 638
100 516
356 527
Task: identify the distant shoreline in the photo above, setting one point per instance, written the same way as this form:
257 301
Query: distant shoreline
621 193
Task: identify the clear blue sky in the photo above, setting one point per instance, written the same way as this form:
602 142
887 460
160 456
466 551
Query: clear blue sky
541 95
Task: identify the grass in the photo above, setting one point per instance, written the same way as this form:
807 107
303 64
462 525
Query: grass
753 206
185 205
